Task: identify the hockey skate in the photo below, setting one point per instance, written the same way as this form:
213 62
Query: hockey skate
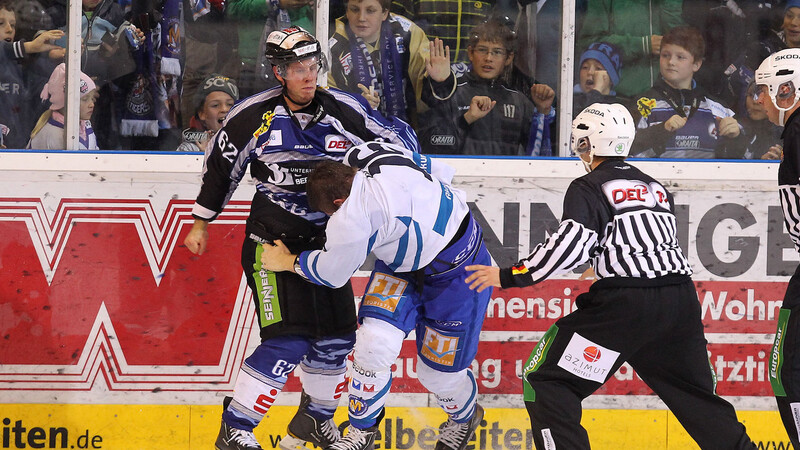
456 436
230 438
306 428
357 439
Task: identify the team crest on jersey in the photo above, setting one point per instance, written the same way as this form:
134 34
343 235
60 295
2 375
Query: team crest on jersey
337 143
645 106
357 406
438 347
347 63
384 292
267 121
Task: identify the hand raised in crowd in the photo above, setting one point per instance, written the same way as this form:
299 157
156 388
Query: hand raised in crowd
602 82
655 44
44 42
774 152
438 65
674 123
295 4
728 127
370 95
479 107
542 96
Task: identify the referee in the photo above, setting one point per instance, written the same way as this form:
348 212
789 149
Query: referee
643 309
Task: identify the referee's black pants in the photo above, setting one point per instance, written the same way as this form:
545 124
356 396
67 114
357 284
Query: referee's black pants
784 362
658 330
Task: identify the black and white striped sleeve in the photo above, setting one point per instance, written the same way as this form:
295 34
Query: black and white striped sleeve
567 248
790 202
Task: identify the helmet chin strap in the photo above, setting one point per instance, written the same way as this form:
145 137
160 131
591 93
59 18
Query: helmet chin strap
286 94
782 111
588 165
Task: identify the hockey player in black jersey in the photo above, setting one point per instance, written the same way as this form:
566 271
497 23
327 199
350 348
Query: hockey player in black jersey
778 90
282 134
643 309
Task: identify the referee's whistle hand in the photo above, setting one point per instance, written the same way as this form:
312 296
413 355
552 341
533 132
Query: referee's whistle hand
482 277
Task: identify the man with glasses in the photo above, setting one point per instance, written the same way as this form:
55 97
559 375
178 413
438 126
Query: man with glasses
283 133
778 91
478 114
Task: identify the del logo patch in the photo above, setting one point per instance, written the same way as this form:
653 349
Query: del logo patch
384 292
588 360
622 194
438 347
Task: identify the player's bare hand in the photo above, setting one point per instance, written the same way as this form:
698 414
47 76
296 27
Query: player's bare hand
728 127
542 96
438 65
370 95
674 123
197 239
276 257
482 277
774 152
479 107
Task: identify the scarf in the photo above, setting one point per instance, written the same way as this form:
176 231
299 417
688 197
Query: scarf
85 133
139 116
390 90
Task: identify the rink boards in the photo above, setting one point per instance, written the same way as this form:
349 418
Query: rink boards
101 303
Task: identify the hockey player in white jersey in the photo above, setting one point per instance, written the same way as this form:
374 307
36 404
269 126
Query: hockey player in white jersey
400 206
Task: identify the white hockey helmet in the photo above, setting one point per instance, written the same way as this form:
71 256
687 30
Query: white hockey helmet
780 74
603 129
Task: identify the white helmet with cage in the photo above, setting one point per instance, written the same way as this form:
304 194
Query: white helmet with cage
603 129
780 75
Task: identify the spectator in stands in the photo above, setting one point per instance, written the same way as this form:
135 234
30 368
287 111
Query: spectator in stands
213 99
381 56
762 137
16 114
448 20
636 28
255 20
676 119
49 131
599 72
463 118
740 73
211 45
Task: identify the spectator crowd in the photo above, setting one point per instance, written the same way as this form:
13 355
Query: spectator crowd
477 80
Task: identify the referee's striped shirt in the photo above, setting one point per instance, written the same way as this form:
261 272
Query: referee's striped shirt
617 216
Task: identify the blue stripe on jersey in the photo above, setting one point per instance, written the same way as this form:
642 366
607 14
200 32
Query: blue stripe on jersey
311 270
371 242
402 245
418 234
445 210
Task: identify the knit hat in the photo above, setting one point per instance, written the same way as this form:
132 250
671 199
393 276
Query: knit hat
55 88
791 4
608 56
215 82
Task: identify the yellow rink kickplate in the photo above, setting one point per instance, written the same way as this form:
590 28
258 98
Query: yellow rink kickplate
153 427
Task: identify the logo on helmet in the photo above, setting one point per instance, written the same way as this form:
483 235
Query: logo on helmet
596 112
619 149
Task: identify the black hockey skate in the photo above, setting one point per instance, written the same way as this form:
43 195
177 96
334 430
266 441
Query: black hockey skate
306 428
456 436
357 439
230 438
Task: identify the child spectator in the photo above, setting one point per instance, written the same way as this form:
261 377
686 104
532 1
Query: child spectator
676 118
381 56
16 114
213 99
463 118
49 131
763 138
599 73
